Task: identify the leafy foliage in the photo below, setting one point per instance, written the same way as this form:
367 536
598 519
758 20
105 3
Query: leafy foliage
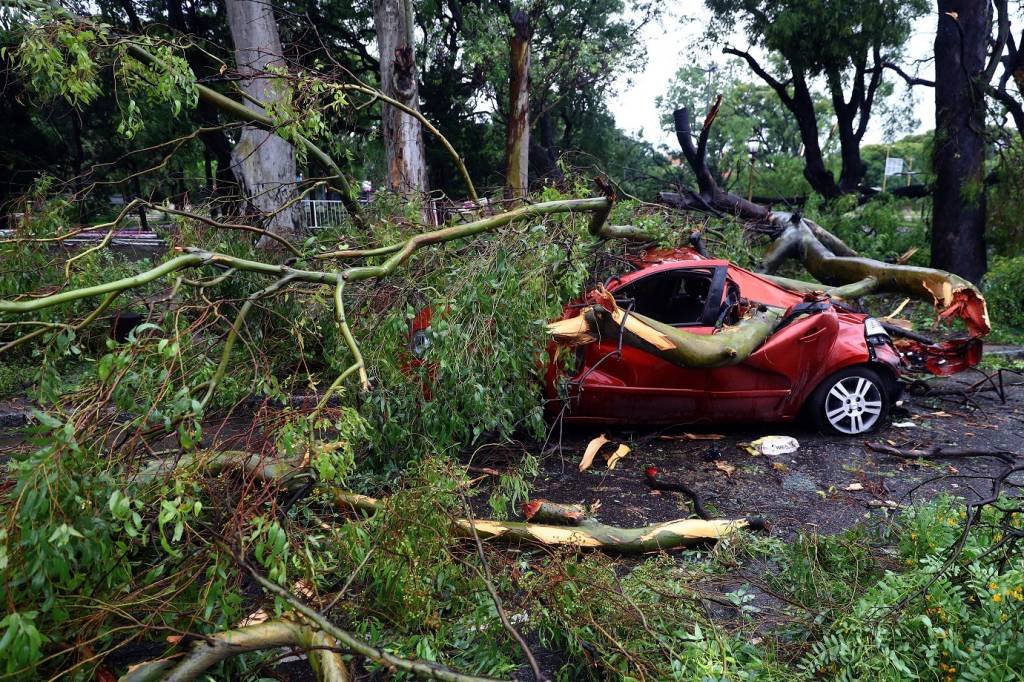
1004 290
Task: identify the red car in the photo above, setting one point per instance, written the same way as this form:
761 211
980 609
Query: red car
836 366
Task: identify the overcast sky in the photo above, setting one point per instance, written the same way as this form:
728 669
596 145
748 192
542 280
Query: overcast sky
672 42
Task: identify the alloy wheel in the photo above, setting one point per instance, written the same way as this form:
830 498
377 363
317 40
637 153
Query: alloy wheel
853 405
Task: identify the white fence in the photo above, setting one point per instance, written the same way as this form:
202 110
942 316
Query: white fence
319 214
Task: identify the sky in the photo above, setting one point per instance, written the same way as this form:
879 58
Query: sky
672 42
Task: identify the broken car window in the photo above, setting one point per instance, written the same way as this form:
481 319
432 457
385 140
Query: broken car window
676 297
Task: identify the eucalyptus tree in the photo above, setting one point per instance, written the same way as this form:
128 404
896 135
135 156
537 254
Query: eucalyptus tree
399 80
578 48
262 160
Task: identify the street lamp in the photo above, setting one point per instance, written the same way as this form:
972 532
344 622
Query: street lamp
754 148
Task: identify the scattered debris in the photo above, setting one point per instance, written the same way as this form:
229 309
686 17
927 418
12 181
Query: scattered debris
698 504
725 467
854 487
589 533
904 425
694 436
592 447
935 452
771 446
546 511
905 257
619 453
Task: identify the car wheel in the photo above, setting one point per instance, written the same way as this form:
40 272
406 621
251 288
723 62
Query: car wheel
850 402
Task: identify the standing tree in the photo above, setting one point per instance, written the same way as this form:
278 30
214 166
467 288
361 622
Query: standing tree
403 134
517 147
264 163
749 119
1010 53
846 42
958 216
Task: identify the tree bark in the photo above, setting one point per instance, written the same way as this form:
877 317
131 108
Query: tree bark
205 653
263 162
817 174
545 151
958 216
517 146
588 533
403 134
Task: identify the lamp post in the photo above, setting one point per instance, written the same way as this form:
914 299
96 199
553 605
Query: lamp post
754 148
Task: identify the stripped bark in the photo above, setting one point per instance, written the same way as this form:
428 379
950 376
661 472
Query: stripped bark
399 80
613 539
517 143
212 649
263 162
824 255
952 295
589 533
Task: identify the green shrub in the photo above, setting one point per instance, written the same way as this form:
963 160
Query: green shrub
1004 290
937 619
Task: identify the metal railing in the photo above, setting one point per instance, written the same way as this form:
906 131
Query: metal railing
320 214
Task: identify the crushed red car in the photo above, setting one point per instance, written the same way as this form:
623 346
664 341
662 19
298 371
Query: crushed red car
822 359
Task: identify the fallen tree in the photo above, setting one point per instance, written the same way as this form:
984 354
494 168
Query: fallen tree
574 530
824 255
135 538
605 319
562 524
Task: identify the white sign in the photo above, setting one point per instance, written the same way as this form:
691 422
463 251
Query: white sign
893 166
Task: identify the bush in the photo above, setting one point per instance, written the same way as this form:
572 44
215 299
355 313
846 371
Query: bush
1004 290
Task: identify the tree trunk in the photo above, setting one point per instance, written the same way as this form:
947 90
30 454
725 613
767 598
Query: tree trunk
853 167
545 151
818 176
822 253
605 319
958 215
263 162
517 146
403 135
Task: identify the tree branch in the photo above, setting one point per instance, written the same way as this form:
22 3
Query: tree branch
910 80
776 85
419 668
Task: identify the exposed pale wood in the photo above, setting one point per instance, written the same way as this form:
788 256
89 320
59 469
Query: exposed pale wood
517 139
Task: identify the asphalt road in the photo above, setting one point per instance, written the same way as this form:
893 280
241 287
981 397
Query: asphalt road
827 485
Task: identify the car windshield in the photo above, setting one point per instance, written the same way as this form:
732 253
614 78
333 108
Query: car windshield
677 297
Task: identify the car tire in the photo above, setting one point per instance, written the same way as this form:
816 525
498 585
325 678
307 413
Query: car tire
851 402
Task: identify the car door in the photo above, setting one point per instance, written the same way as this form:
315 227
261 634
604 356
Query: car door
760 388
617 382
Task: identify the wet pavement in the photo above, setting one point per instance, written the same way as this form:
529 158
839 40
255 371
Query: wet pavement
827 485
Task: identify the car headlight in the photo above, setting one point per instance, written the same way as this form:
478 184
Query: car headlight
419 343
873 328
